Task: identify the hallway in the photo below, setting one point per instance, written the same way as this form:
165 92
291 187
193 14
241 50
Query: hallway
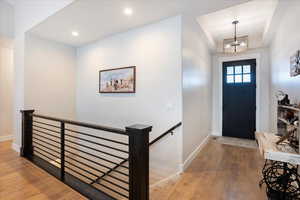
219 172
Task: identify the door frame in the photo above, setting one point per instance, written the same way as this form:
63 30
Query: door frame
232 87
219 93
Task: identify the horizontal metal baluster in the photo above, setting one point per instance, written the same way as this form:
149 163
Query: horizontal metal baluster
91 173
35 134
97 183
96 156
97 176
48 134
34 142
100 144
83 124
46 157
86 134
45 142
125 189
78 173
43 150
95 162
123 195
98 170
119 157
45 124
109 171
46 129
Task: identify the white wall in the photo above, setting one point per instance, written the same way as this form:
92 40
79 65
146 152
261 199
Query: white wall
262 91
6 20
6 92
155 50
27 14
6 70
50 77
285 43
197 85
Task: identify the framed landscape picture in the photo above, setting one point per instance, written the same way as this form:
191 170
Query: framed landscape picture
295 64
119 80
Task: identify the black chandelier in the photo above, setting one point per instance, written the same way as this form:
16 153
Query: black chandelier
235 44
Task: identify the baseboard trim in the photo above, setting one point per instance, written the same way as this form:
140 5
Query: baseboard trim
15 147
194 154
6 138
166 180
217 134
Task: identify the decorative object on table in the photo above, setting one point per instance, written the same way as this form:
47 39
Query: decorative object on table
119 80
288 126
289 115
283 99
290 137
295 64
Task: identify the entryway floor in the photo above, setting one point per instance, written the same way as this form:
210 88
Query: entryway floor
236 142
220 172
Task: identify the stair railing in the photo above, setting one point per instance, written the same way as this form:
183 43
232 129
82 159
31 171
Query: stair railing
53 144
170 131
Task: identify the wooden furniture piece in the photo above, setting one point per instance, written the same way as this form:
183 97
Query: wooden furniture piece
271 151
281 172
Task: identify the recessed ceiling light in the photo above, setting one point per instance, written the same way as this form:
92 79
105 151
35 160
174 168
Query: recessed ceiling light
128 11
75 34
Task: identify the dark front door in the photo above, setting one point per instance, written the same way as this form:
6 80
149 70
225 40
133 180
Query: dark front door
239 98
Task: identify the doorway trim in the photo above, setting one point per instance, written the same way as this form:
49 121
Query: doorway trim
218 91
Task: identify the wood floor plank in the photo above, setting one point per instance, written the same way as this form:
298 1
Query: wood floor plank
20 179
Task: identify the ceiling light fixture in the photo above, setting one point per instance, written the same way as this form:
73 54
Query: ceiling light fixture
75 34
128 11
235 44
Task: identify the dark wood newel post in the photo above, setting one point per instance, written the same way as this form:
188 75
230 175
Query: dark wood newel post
139 161
62 151
26 146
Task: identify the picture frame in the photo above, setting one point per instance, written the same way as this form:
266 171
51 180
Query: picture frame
295 64
118 80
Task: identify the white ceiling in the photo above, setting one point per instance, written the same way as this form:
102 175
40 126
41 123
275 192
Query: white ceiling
95 19
254 17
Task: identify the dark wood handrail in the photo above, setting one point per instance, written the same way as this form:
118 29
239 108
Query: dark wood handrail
83 124
165 133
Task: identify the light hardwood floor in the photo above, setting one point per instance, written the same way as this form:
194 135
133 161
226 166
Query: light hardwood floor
21 180
220 172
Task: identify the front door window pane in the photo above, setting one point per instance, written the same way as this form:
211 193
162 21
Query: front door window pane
230 79
229 70
238 78
238 70
246 69
246 78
